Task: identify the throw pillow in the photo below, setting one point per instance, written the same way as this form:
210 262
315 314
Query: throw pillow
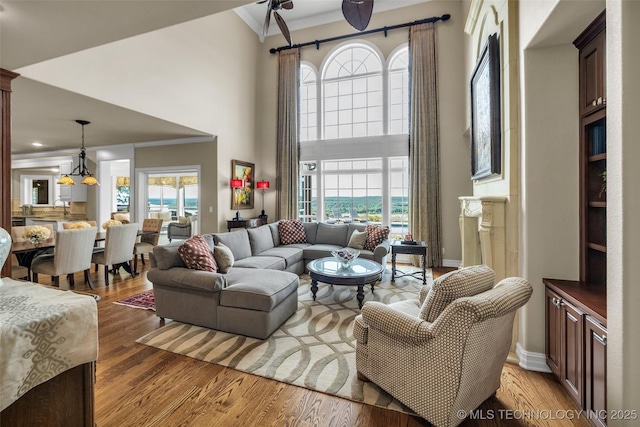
197 255
357 239
376 234
291 231
183 220
224 258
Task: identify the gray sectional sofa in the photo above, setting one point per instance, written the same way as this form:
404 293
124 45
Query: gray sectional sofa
260 291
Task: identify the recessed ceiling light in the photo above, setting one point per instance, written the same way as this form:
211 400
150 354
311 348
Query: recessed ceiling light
37 144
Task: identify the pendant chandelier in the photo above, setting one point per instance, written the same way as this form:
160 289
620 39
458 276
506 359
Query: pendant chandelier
81 169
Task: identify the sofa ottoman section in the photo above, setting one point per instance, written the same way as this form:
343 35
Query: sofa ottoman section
255 307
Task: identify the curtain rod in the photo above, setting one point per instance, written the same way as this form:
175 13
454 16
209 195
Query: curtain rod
317 43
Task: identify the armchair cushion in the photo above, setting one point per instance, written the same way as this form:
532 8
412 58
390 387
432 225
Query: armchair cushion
465 282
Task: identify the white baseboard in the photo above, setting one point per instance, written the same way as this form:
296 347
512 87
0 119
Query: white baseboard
451 263
532 361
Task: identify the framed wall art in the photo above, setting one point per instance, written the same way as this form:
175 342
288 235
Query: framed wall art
245 195
486 157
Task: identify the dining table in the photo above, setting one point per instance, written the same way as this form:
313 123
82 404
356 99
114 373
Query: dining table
26 251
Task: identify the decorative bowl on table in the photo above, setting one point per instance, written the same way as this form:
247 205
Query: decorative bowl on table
345 256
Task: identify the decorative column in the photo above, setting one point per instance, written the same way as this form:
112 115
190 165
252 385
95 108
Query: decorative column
482 233
470 213
5 156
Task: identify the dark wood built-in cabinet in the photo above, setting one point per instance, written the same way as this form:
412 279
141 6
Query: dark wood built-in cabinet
593 154
576 315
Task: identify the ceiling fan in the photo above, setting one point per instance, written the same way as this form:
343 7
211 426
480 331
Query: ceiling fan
274 6
357 13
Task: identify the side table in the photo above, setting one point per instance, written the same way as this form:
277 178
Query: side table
245 223
420 248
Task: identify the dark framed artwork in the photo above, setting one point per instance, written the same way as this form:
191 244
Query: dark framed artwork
486 157
245 195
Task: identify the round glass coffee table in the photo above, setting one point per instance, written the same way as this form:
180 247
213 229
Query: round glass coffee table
361 272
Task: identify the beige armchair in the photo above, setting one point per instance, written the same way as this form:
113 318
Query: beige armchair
72 254
118 249
442 355
181 229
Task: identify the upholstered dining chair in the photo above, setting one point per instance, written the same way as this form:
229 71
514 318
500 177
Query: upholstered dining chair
441 355
17 232
69 225
18 271
147 241
118 249
72 254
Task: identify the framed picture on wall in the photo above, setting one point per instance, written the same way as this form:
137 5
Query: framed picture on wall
486 157
242 198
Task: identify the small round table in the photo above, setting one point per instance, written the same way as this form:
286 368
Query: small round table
361 272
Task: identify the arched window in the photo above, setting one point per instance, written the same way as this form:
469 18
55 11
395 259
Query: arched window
356 168
352 93
399 92
308 103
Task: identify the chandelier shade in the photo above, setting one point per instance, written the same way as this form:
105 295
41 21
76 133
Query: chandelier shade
81 169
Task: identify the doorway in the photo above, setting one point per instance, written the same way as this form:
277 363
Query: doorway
170 194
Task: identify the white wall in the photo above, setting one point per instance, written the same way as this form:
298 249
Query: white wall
623 205
201 74
549 214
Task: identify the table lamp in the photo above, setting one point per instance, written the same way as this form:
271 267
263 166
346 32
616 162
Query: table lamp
262 185
237 184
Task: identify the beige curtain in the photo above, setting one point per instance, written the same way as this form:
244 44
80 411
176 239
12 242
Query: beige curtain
287 136
424 157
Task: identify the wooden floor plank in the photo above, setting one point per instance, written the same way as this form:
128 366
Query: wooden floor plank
144 386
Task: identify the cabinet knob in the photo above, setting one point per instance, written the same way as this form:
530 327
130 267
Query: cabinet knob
600 100
603 338
594 102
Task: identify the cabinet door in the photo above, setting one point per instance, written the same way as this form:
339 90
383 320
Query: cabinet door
592 75
571 347
553 335
595 369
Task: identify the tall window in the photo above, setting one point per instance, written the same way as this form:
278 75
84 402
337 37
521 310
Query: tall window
399 92
308 104
357 168
352 93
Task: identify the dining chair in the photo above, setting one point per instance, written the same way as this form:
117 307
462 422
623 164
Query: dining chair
17 232
118 249
72 253
18 271
147 241
69 224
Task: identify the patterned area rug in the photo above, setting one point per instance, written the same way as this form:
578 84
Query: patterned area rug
314 349
143 300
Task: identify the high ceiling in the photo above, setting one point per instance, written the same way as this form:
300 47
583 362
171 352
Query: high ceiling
36 31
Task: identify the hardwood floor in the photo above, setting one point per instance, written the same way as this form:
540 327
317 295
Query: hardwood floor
139 385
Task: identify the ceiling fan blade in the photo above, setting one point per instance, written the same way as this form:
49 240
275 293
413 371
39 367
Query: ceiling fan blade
357 13
261 1
283 27
287 4
267 19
